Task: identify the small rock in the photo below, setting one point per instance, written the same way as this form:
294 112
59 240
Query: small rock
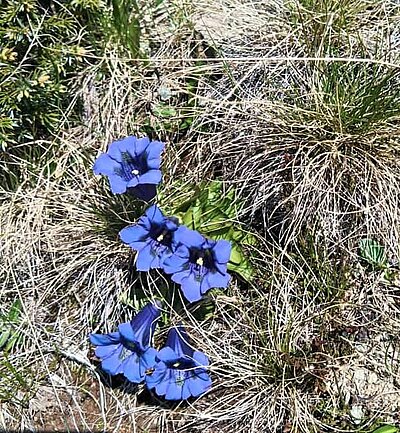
164 93
372 378
357 414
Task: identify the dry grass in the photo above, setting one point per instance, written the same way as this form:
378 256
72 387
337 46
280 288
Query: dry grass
293 351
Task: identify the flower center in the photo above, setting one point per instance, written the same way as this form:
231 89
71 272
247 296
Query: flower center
128 348
201 258
182 363
132 166
160 234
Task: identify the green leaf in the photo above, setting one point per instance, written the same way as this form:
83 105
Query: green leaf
239 263
244 269
386 429
165 111
373 253
4 337
15 311
213 212
237 256
9 336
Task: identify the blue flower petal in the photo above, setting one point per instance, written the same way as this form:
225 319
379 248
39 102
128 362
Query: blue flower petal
186 390
182 251
127 331
164 255
202 374
174 391
222 268
150 177
133 182
201 359
104 339
149 357
131 369
147 259
178 341
157 376
154 214
179 275
112 364
198 386
205 283
190 287
117 184
142 369
141 145
222 251
105 351
144 323
162 384
173 264
154 163
217 280
154 149
105 165
166 354
171 223
138 246
147 315
134 233
116 148
188 237
161 388
154 154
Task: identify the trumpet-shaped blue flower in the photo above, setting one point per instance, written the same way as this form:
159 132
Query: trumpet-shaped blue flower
152 237
198 264
128 350
180 372
132 164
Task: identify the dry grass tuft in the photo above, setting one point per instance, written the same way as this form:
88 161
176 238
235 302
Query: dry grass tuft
294 350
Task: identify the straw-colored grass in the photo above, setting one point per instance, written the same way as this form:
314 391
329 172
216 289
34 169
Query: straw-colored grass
310 145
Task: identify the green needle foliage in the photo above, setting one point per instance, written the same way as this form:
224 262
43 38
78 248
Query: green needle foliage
43 45
40 49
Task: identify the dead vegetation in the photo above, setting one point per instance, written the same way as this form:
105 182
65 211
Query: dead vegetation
246 93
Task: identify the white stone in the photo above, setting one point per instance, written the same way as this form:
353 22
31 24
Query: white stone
357 414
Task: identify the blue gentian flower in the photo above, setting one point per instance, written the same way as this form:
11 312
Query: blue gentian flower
132 164
152 237
198 263
180 372
128 350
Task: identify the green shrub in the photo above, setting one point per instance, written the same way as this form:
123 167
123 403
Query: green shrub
43 45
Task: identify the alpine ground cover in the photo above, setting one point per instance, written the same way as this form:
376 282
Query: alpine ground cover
305 149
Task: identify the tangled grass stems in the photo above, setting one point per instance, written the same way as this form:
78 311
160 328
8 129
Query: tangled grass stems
283 346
